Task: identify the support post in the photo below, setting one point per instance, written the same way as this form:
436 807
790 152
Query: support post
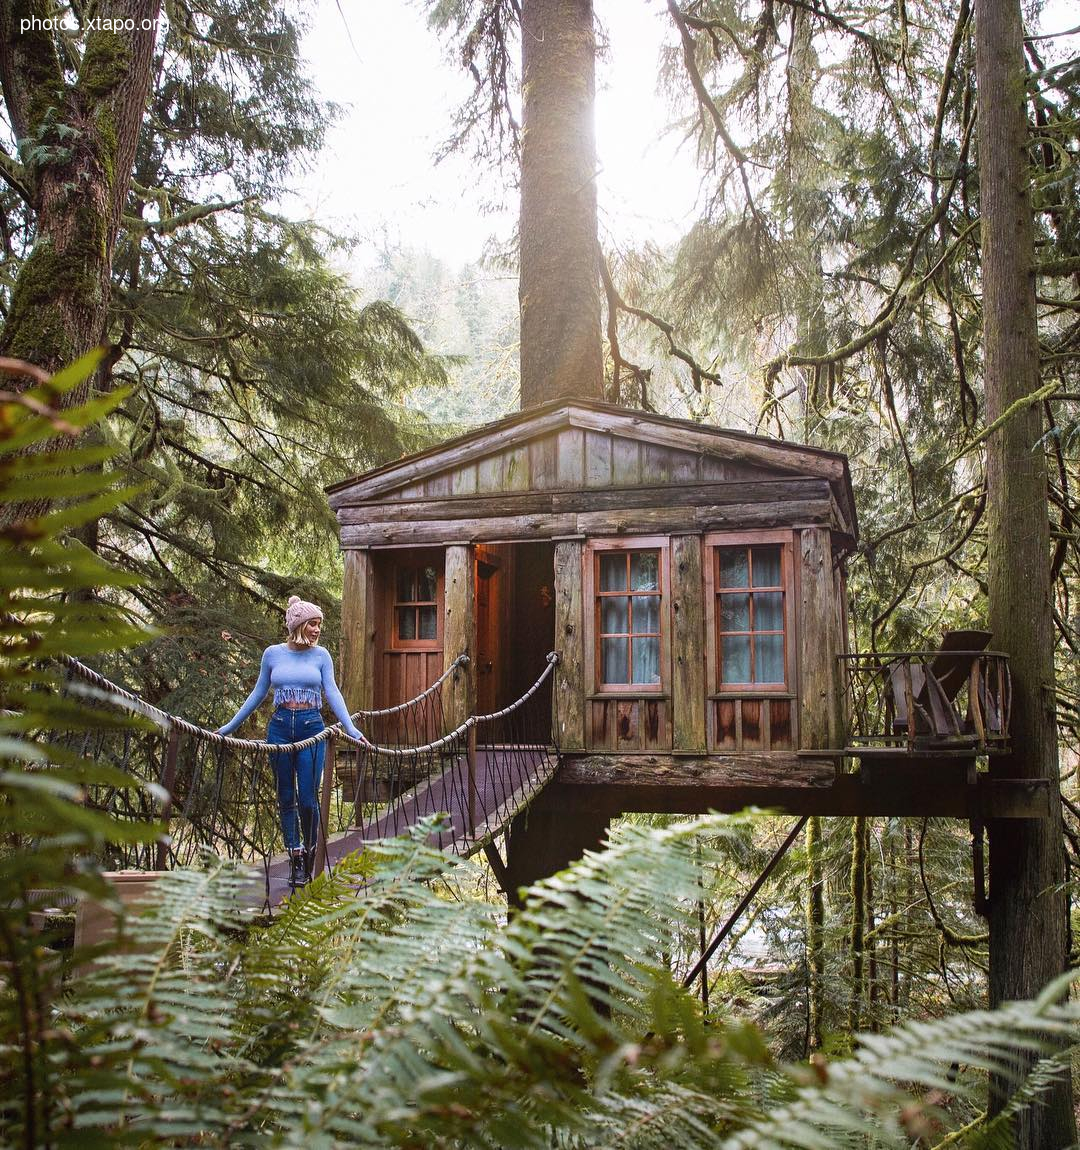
327 790
547 837
358 630
168 781
819 695
459 634
687 644
568 693
703 962
470 753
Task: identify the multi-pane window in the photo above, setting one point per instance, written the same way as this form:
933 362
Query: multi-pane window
629 595
416 617
750 615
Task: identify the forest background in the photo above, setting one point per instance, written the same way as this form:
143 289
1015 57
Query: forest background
826 290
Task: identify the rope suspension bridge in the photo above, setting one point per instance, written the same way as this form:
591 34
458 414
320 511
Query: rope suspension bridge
215 792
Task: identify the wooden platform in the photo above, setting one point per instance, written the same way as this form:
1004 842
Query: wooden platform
900 785
795 783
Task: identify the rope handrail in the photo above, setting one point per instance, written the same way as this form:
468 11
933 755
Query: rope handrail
473 720
166 718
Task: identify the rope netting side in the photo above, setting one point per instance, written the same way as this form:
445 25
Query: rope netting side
478 774
222 791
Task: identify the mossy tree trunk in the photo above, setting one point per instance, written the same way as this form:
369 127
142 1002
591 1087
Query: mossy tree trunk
559 288
78 121
815 934
1028 944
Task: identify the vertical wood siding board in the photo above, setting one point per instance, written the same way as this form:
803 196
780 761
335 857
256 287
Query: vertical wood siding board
489 477
570 456
464 480
685 467
819 724
516 469
766 724
359 630
437 485
713 469
597 459
570 688
656 466
688 678
542 463
459 632
626 462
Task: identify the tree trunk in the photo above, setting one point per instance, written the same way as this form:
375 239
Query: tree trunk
84 136
858 921
559 288
815 932
1027 904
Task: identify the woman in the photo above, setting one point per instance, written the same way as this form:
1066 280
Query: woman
300 672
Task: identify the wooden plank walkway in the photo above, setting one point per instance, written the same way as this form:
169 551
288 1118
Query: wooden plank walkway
507 779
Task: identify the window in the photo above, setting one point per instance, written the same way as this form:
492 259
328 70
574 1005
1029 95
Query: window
416 614
629 600
750 612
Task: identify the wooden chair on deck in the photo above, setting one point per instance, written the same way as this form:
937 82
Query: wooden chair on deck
934 687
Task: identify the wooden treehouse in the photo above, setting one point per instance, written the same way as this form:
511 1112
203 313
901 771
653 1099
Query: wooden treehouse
692 581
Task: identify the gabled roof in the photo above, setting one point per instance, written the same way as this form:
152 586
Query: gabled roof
752 456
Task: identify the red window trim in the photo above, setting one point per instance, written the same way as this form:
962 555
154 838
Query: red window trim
713 543
414 564
591 552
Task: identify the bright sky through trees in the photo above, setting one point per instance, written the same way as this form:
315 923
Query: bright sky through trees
377 178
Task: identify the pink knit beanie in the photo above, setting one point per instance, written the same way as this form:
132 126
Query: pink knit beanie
299 612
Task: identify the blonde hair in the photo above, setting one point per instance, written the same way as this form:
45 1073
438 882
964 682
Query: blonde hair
296 635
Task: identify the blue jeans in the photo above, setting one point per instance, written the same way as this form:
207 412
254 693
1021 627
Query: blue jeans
298 774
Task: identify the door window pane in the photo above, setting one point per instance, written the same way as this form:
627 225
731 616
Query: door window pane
428 623
406 617
428 581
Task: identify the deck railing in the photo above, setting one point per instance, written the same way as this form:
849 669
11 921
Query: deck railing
927 702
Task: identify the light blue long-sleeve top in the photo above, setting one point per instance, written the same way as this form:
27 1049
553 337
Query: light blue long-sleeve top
296 677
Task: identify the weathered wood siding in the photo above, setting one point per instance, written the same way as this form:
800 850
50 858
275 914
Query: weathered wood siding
459 634
742 724
687 643
359 625
624 723
819 642
569 695
568 458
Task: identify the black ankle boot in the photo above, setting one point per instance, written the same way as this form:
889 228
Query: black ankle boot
309 863
297 868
